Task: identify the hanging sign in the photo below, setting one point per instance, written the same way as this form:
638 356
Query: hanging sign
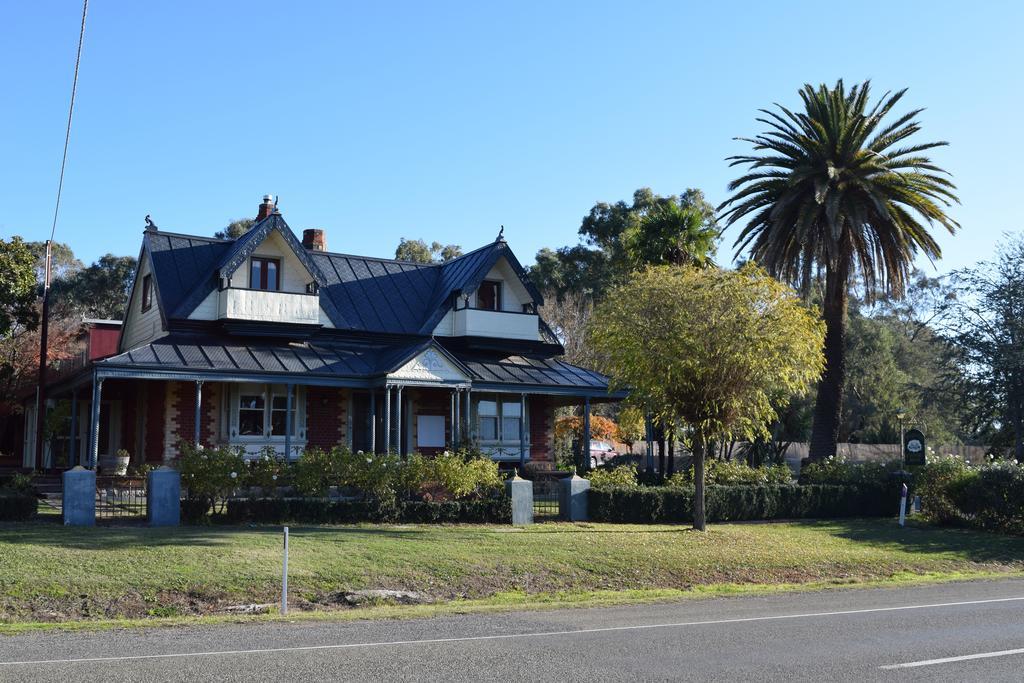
913 449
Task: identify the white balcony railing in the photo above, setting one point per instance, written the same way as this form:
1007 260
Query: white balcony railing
279 307
475 322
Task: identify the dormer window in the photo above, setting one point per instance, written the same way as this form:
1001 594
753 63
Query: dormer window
488 296
265 273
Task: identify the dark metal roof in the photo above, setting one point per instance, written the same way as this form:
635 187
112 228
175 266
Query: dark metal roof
183 267
539 372
362 293
377 295
319 361
237 356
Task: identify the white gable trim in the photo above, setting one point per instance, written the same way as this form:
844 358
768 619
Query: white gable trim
430 366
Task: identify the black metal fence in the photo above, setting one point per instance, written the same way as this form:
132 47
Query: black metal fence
120 498
546 486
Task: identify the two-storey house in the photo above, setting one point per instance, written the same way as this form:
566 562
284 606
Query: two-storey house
269 340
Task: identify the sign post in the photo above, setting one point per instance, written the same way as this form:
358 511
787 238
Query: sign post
284 575
903 504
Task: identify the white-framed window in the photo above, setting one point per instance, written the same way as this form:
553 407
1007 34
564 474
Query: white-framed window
257 416
498 418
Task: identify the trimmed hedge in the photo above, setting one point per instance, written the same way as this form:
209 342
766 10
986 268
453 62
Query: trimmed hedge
648 504
16 506
326 511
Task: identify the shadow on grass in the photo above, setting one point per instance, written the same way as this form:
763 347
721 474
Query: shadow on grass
965 544
111 536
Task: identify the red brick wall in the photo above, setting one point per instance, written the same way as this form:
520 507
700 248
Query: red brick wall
542 420
326 417
183 412
154 439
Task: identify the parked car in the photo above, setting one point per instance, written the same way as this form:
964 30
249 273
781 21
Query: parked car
633 459
600 453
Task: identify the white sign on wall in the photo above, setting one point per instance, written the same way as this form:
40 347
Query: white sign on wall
430 431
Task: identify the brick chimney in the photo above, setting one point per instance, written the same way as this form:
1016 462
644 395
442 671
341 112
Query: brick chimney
314 239
266 208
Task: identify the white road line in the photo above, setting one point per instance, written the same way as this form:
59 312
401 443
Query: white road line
947 660
504 636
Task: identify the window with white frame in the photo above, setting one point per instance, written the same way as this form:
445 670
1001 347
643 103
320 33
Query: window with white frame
498 419
259 412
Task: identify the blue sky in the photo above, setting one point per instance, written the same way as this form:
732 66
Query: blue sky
438 120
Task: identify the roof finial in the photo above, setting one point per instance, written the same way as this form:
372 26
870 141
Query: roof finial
150 225
501 235
276 197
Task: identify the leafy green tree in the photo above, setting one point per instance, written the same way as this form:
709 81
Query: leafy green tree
17 286
62 260
418 251
838 189
715 351
985 323
619 238
99 291
631 425
235 229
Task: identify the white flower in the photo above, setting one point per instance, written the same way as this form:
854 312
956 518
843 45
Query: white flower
234 475
274 477
369 460
359 452
1015 462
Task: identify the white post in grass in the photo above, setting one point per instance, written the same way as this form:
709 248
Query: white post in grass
902 505
284 576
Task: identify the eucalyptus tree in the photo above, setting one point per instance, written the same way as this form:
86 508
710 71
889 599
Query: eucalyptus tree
839 190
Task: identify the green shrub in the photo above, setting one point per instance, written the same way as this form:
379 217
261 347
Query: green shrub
267 470
622 476
989 497
938 483
496 510
211 474
724 473
734 503
17 506
838 472
195 511
20 482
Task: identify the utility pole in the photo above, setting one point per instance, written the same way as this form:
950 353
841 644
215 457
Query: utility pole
44 333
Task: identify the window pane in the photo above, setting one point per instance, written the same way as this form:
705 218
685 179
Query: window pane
510 408
487 296
250 415
488 428
487 408
272 275
510 429
255 271
278 425
250 422
281 403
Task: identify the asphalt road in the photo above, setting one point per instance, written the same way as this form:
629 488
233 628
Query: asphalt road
975 631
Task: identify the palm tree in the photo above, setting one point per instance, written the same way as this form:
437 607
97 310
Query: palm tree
836 190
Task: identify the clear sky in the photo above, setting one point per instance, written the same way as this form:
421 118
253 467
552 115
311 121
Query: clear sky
439 120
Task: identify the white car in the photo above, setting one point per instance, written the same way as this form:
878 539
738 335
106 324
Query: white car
600 453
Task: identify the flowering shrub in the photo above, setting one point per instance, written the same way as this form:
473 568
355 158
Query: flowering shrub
450 475
210 474
611 478
268 470
723 473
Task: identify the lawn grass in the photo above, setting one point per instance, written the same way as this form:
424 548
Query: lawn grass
52 574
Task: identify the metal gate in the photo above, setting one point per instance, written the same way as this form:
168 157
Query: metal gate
120 498
546 488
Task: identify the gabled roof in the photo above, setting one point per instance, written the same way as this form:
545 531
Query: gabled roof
357 292
465 273
183 267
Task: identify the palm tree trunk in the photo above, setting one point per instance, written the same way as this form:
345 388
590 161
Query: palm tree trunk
828 408
699 522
